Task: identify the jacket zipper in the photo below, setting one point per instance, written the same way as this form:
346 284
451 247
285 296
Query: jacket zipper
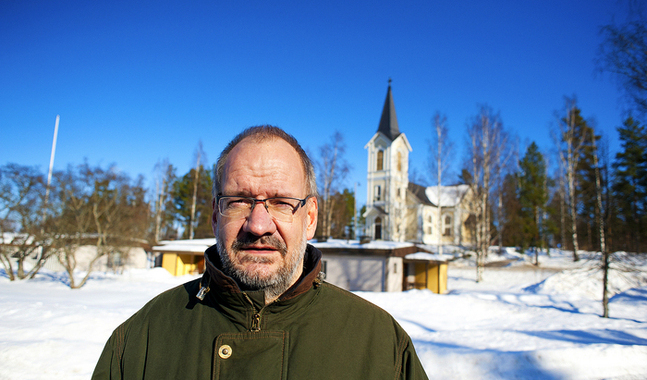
256 318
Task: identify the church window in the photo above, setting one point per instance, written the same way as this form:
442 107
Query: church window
399 161
448 226
399 195
380 160
378 193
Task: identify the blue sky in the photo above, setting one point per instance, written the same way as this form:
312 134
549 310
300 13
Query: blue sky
136 82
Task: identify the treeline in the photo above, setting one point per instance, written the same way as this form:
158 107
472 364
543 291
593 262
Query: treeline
101 207
51 218
589 200
577 198
82 205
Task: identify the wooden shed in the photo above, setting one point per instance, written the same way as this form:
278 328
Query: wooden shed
425 271
382 266
181 257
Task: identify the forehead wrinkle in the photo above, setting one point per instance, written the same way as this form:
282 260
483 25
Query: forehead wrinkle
266 168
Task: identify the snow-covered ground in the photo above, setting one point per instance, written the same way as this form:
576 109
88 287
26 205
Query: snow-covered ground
519 323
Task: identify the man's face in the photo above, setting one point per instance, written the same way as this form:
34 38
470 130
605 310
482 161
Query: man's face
258 251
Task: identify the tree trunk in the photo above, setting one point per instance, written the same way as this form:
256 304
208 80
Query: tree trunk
573 209
603 247
195 194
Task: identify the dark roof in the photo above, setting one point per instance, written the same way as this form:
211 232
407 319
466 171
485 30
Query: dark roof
380 210
419 192
389 122
363 251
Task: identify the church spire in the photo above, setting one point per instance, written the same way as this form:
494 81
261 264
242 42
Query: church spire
389 122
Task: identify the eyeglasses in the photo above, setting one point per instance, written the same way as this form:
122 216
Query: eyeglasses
280 208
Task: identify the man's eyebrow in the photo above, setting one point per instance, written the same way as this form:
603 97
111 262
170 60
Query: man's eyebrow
241 193
247 194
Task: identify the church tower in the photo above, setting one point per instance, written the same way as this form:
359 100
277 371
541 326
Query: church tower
387 178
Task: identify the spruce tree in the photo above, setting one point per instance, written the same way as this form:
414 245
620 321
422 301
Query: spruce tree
532 195
183 197
630 187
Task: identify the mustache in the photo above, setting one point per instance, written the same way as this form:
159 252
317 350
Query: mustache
249 240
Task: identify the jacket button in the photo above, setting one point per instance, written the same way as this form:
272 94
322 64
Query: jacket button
224 351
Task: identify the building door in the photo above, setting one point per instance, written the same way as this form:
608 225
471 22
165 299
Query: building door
378 228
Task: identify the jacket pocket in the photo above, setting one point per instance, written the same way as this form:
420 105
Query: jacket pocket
250 355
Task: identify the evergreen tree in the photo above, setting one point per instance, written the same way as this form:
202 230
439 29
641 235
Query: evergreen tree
512 223
532 195
575 149
341 223
630 187
163 203
183 190
588 223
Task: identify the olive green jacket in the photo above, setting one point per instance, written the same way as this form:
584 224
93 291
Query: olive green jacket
315 330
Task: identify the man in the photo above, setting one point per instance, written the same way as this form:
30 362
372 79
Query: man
261 310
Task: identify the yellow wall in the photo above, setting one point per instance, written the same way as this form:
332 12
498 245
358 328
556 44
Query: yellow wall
179 264
431 276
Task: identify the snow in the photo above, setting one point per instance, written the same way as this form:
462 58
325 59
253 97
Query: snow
450 196
373 244
426 256
193 245
520 322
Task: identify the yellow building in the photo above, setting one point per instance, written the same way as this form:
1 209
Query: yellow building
382 266
426 271
181 257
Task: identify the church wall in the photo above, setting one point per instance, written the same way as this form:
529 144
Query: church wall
402 217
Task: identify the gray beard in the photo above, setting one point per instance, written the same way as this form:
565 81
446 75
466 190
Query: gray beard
272 286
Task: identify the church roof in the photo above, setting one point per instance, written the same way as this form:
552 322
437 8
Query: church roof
389 121
420 193
450 196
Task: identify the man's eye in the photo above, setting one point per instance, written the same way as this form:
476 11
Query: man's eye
281 203
234 203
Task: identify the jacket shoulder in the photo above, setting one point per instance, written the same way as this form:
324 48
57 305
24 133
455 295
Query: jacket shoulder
160 306
345 302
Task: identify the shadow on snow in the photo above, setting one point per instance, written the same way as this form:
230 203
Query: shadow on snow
604 336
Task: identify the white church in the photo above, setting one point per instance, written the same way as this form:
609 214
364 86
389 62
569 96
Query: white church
399 210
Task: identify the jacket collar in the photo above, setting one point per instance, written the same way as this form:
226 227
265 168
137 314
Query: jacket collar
218 281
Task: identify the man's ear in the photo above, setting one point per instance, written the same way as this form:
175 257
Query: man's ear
312 208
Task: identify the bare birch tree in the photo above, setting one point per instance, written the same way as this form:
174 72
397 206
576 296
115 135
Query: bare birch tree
571 141
440 149
623 53
488 142
199 153
601 225
22 220
96 207
332 170
164 178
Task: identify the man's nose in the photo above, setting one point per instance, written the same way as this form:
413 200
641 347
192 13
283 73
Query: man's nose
260 222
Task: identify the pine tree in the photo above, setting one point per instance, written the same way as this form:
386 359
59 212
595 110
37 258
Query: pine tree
183 190
532 195
576 160
586 188
512 223
630 187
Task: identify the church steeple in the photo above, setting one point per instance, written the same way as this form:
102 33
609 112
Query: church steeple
389 121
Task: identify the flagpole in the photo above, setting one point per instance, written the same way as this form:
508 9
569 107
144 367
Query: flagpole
51 159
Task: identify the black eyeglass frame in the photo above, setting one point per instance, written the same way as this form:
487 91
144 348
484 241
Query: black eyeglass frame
302 202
